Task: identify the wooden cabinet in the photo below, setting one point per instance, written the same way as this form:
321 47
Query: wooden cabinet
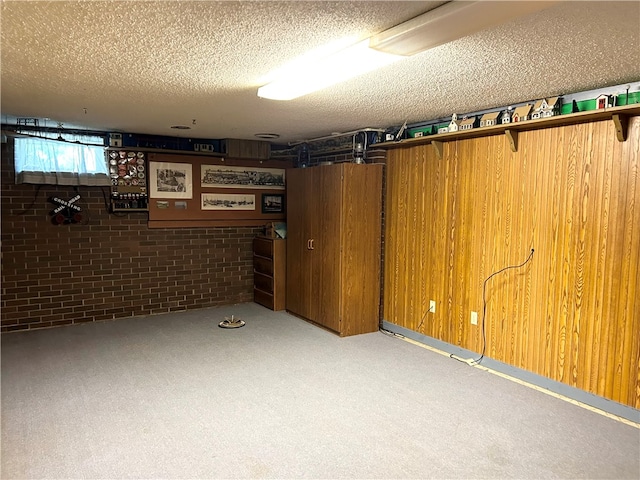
333 252
269 272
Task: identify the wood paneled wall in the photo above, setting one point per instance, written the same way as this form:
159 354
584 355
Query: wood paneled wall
572 193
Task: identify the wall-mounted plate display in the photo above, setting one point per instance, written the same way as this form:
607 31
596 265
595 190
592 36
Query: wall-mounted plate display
128 180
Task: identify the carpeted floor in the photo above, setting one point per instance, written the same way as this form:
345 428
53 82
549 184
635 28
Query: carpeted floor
174 396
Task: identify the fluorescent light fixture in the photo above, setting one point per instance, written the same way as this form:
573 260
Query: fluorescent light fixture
323 72
451 21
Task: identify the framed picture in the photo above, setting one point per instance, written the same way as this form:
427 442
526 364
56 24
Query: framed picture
170 180
222 176
272 203
225 201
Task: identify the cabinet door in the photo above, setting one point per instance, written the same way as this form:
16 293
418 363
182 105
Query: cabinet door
327 253
300 190
361 233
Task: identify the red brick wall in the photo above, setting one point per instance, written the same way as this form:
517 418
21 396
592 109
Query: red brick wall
110 266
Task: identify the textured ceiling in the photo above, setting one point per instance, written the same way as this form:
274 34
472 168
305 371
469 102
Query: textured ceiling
139 66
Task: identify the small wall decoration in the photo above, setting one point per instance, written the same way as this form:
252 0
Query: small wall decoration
65 211
272 203
224 201
242 177
170 180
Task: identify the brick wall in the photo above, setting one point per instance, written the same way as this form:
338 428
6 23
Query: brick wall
109 266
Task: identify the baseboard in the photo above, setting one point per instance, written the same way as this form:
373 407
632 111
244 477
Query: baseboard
573 393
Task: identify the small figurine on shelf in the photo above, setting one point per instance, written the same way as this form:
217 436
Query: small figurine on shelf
454 125
468 123
546 107
489 119
605 101
506 116
521 113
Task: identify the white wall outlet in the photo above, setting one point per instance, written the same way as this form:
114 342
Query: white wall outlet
474 318
432 306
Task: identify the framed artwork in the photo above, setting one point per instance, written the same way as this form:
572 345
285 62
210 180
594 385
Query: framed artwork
170 180
272 203
222 176
225 201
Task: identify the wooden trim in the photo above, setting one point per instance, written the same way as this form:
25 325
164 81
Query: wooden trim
204 223
512 135
621 123
439 146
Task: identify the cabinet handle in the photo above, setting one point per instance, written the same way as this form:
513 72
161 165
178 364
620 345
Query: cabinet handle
311 244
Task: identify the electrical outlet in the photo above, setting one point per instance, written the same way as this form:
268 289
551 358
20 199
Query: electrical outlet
474 318
432 306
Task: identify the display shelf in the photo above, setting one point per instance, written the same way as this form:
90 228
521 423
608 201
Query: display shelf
619 116
130 210
169 151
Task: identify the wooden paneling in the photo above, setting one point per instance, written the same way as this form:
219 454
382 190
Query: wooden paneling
570 192
236 148
362 202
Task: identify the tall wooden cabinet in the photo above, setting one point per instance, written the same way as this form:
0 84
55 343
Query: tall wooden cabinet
333 246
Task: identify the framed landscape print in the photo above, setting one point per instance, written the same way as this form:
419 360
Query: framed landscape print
225 201
223 176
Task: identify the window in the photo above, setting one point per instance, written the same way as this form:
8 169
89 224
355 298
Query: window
76 160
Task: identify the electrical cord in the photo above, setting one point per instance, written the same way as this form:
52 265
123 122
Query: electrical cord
33 202
484 310
399 335
107 206
391 334
423 317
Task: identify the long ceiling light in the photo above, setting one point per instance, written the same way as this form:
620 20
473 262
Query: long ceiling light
323 72
451 21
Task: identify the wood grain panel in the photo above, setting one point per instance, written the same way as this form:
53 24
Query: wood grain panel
327 245
299 282
571 192
360 243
